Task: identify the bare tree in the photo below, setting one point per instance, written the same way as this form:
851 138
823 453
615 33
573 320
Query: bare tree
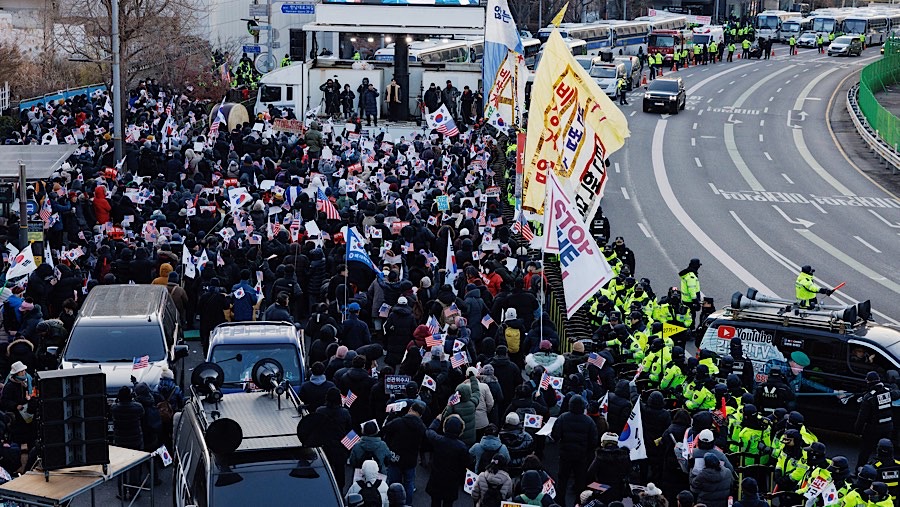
153 34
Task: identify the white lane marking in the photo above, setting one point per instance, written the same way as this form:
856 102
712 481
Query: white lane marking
787 82
643 229
713 187
804 93
788 178
633 113
766 153
849 261
695 126
744 75
707 137
731 83
617 167
778 90
689 75
693 141
720 91
731 146
766 109
762 122
709 100
867 244
820 208
879 217
796 76
668 195
697 161
625 194
808 157
700 113
795 268
693 90
771 99
760 138
749 91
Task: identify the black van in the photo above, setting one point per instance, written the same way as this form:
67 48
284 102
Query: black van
842 345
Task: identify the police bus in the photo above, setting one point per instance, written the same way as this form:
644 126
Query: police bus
432 51
794 27
530 47
828 22
872 25
595 35
768 23
628 36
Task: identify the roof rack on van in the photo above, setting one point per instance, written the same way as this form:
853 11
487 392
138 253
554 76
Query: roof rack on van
246 420
835 318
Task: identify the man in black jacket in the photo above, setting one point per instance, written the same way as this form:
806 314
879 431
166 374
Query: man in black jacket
398 330
576 434
508 374
404 438
621 401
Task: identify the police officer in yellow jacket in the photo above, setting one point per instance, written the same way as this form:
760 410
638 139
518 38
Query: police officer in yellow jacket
878 495
806 289
856 496
888 468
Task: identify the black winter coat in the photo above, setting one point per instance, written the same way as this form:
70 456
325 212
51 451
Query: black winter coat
404 437
450 458
611 466
619 406
360 382
575 432
398 330
508 374
313 395
127 428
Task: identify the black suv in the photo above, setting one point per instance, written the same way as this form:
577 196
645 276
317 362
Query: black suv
840 344
666 94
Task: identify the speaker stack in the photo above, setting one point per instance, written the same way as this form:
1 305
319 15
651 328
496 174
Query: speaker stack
73 418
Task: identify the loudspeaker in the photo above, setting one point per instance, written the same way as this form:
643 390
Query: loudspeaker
73 418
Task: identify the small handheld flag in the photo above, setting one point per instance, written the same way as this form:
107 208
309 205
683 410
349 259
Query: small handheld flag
140 362
349 399
350 440
429 383
453 400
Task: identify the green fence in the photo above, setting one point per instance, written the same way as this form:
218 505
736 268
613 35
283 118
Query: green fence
873 79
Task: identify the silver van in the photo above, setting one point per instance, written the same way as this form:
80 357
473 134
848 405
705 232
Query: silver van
120 324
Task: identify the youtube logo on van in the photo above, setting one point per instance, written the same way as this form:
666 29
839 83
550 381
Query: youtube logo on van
726 332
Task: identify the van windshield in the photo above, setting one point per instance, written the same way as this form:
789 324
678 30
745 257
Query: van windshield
603 72
107 344
239 371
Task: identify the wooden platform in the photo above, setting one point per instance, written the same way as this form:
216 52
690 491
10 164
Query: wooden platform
65 484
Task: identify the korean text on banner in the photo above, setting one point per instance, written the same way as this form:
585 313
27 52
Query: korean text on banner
500 36
506 98
577 250
572 128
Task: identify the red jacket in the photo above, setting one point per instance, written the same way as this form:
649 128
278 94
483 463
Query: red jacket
101 205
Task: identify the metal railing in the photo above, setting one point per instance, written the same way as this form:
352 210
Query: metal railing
878 127
61 94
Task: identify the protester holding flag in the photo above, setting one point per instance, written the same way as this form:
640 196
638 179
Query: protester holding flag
450 458
576 435
339 424
469 396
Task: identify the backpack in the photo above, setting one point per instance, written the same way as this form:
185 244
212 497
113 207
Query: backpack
485 460
524 500
492 497
370 494
513 339
166 411
682 452
367 454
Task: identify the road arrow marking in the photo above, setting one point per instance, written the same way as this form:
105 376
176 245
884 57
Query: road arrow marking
889 224
664 116
799 221
732 120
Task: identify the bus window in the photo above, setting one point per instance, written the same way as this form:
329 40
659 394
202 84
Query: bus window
270 94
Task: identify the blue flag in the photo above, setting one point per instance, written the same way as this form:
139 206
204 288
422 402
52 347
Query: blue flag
356 251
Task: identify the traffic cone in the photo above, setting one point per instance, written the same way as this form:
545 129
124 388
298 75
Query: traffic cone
643 79
674 68
739 56
772 53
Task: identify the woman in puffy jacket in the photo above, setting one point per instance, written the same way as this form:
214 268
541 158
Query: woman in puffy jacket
469 395
713 484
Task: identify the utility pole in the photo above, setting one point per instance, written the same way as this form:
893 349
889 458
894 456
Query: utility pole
23 208
116 84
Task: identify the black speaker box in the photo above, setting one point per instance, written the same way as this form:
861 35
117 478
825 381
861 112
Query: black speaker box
73 422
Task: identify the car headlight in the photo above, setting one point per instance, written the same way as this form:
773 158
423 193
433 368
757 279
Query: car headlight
647 96
673 97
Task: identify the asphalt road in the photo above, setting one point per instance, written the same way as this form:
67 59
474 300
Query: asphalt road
748 179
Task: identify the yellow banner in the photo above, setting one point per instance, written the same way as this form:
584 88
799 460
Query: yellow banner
560 15
572 128
672 329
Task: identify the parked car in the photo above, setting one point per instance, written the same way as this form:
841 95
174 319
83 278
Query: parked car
607 75
666 94
632 70
807 40
846 45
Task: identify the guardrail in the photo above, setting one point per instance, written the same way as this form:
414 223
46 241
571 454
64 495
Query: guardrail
889 154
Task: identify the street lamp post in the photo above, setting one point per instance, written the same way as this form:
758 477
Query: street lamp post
116 83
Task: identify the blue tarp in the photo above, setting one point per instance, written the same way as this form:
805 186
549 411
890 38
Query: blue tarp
65 94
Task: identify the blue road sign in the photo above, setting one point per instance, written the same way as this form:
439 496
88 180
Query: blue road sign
31 207
301 8
252 48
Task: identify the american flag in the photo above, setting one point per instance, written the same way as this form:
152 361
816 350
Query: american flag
276 227
349 399
458 359
46 211
453 400
524 230
471 213
331 213
140 362
434 340
545 381
441 121
350 440
433 325
487 321
596 360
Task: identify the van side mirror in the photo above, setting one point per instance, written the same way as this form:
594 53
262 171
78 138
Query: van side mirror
52 350
181 352
354 500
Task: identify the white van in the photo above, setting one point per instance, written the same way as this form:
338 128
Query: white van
607 75
707 34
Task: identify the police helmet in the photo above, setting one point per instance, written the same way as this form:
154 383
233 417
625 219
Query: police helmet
747 399
693 363
790 437
656 345
815 453
885 448
775 371
726 361
877 492
720 390
795 418
733 381
807 269
749 410
702 371
867 473
839 465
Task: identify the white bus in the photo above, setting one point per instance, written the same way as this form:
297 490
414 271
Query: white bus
628 36
577 47
665 21
531 48
432 51
827 23
873 26
768 23
794 27
595 35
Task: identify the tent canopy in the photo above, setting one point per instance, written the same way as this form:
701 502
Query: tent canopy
41 161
